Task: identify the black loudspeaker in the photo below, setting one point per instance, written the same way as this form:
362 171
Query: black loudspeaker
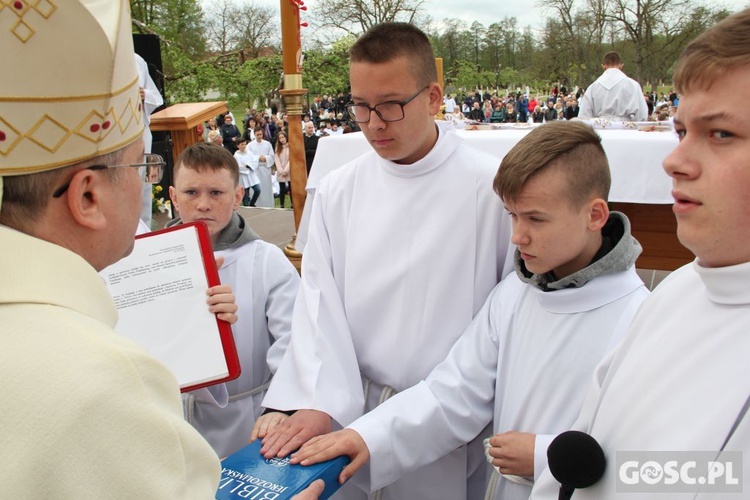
149 48
162 145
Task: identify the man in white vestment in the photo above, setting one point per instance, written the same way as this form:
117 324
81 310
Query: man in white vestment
613 95
150 100
405 244
450 104
262 164
526 359
679 381
86 412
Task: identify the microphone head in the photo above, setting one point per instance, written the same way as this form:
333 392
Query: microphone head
575 459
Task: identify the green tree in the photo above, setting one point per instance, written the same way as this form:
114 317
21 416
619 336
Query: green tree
327 71
494 40
448 43
179 24
477 33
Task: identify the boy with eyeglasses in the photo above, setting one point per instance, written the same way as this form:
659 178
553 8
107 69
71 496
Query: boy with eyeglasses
405 244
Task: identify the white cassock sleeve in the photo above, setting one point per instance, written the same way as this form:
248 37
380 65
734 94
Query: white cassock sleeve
319 369
545 485
541 443
152 97
270 155
282 284
448 409
252 160
585 109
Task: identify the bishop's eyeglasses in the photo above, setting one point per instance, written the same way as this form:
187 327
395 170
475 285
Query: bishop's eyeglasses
151 170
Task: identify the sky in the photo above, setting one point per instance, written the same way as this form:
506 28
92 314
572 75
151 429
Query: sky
527 12
484 11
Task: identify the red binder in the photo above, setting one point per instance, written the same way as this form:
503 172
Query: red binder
159 291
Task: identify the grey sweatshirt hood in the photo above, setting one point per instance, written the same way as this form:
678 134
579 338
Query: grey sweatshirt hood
618 253
235 234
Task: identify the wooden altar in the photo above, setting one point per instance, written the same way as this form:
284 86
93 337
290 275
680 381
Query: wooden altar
640 187
181 121
655 228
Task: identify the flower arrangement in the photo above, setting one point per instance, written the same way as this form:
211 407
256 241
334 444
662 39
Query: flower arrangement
158 204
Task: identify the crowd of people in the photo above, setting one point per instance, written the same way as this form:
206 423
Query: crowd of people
613 96
519 108
422 361
261 147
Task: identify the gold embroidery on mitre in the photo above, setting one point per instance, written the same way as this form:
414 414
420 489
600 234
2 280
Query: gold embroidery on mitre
96 126
48 133
127 115
22 29
87 97
9 137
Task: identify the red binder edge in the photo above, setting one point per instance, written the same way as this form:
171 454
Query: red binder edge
212 277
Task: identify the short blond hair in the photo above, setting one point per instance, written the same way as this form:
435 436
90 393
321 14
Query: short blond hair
570 145
714 53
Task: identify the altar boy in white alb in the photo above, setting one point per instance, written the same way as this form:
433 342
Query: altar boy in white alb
526 359
261 164
206 188
405 243
680 380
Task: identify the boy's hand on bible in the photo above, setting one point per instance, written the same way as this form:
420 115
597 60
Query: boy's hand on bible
294 432
265 423
312 492
513 453
344 442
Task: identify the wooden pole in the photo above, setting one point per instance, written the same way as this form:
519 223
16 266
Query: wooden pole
292 94
439 68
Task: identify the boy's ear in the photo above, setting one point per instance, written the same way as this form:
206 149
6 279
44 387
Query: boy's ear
173 197
436 98
239 193
598 214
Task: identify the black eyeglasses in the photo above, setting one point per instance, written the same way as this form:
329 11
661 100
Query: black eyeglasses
389 111
151 170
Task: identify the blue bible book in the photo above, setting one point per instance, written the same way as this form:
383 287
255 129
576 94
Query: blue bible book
246 474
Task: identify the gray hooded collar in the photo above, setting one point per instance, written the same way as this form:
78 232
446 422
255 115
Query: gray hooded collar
618 253
235 234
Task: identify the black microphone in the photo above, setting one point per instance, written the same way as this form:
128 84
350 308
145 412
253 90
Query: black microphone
576 460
